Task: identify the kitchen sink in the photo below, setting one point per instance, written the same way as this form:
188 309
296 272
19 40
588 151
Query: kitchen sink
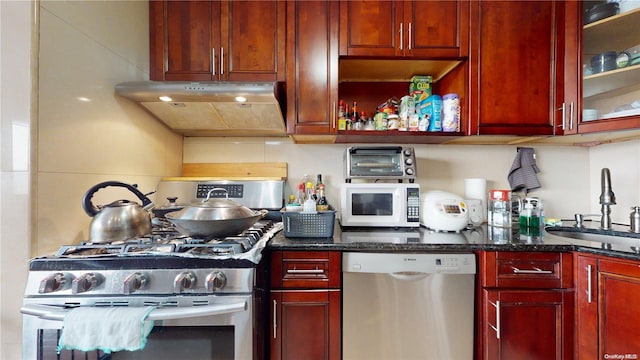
619 236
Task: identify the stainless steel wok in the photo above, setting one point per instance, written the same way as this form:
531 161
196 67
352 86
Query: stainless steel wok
214 217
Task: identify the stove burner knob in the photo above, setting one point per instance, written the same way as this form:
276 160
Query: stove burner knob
136 281
86 282
55 282
216 281
184 281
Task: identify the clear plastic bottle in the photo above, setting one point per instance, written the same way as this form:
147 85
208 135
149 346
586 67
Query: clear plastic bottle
499 208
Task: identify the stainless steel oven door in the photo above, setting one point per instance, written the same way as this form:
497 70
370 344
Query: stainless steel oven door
222 328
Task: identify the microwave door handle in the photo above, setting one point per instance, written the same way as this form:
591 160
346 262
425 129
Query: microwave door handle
57 313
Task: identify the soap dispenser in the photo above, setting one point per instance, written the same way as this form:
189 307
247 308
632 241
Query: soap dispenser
529 219
634 220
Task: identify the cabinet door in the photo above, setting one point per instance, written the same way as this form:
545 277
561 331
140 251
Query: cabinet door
312 67
437 28
253 40
619 314
513 65
183 39
586 308
425 29
610 95
371 28
217 40
305 325
528 325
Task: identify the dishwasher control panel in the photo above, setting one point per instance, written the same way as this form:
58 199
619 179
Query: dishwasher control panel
409 263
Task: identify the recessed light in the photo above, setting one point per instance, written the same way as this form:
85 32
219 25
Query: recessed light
241 99
165 98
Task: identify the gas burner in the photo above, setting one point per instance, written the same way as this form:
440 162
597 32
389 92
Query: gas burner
168 241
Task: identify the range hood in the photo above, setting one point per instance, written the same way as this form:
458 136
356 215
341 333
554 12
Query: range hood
212 108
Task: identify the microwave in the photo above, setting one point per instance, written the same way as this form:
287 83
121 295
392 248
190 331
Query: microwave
380 204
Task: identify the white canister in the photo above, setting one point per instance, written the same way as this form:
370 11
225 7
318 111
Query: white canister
450 113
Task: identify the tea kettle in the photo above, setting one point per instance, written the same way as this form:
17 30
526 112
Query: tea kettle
119 220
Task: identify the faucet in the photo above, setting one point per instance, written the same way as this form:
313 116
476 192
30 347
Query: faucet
607 198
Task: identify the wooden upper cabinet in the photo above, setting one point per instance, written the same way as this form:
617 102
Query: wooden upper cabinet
424 29
516 67
312 67
217 40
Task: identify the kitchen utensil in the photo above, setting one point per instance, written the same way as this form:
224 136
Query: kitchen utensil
119 220
601 11
604 62
443 211
214 217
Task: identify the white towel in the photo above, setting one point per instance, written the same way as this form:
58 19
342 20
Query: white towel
107 329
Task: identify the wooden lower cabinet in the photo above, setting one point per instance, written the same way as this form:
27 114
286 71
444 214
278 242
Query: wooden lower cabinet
608 315
525 306
525 324
306 324
305 305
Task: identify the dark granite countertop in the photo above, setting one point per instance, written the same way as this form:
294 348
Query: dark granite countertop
624 245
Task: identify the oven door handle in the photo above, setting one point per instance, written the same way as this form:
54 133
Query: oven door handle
58 313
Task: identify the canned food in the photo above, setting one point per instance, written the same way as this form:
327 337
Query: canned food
380 120
393 122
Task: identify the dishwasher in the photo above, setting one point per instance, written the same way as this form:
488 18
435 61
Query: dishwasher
408 306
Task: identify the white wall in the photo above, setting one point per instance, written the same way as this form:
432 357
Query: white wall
87 134
564 175
623 161
15 98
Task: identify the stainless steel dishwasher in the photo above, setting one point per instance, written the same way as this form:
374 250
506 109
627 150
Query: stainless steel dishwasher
408 306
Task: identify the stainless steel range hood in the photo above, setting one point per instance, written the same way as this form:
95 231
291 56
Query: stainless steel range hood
212 108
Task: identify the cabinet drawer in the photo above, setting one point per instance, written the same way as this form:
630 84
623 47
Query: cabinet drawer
530 270
305 269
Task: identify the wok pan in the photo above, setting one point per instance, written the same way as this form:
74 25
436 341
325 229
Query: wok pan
213 218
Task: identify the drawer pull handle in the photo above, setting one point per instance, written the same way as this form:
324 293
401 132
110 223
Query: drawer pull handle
589 299
305 271
275 317
534 271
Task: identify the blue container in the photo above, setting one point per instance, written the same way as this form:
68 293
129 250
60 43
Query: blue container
431 107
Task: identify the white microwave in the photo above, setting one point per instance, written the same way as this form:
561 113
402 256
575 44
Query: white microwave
380 204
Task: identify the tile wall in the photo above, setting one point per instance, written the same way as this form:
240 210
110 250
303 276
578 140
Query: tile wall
87 134
15 113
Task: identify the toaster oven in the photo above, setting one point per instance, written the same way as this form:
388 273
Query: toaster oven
380 162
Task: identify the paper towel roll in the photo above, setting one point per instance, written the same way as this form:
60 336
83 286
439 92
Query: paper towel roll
476 188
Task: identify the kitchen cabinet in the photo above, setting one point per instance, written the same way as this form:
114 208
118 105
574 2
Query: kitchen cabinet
607 290
525 305
217 40
431 29
517 67
305 305
312 67
605 100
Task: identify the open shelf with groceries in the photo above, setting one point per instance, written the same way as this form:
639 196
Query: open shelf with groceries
381 91
611 63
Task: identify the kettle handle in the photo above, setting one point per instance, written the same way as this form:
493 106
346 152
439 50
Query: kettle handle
92 210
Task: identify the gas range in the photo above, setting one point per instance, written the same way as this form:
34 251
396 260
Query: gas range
163 263
206 292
